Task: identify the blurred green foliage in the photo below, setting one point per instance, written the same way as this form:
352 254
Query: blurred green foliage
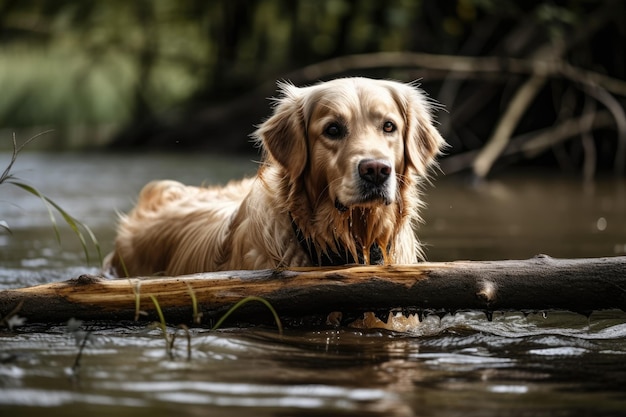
116 62
68 61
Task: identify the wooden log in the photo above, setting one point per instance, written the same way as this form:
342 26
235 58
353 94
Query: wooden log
308 295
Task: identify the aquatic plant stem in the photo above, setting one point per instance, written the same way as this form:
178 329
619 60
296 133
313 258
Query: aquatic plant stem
163 326
197 316
8 178
247 300
79 355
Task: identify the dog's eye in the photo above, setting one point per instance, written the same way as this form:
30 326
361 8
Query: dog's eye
334 131
389 127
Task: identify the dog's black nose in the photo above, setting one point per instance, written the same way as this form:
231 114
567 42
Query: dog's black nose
375 171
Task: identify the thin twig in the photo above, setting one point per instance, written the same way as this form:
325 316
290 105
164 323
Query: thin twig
619 115
586 127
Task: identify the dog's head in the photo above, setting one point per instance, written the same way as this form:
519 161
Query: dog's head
356 137
352 143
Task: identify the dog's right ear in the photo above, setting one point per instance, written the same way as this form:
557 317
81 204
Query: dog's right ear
283 135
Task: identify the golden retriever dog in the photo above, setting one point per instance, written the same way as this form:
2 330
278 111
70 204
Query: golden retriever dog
338 184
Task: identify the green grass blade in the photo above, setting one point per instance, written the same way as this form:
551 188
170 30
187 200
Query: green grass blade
126 274
157 306
247 300
73 223
37 193
197 316
169 342
94 240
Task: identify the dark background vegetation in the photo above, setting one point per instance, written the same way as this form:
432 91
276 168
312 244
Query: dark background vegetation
542 82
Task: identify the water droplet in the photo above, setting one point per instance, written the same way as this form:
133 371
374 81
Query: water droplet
601 224
619 248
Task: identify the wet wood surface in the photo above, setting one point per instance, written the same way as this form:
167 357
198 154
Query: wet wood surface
308 295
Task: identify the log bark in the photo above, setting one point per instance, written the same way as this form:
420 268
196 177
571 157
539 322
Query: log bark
308 295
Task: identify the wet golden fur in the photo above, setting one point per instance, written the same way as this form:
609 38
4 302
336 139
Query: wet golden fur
307 176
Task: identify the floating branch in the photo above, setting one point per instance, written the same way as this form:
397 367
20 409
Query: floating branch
308 295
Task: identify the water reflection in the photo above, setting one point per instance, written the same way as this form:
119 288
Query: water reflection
329 371
522 215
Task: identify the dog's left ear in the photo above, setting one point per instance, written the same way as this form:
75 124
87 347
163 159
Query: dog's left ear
283 134
422 140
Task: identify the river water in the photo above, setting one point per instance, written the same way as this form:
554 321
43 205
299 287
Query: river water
544 364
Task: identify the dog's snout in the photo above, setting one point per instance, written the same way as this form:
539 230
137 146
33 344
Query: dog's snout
375 171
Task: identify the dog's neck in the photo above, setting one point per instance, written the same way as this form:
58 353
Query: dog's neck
339 255
333 236
358 235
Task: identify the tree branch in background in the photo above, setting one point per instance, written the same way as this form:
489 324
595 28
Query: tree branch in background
586 128
533 143
528 91
465 66
506 125
539 69
617 111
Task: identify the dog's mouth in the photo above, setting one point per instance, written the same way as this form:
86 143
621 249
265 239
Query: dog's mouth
368 190
368 198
